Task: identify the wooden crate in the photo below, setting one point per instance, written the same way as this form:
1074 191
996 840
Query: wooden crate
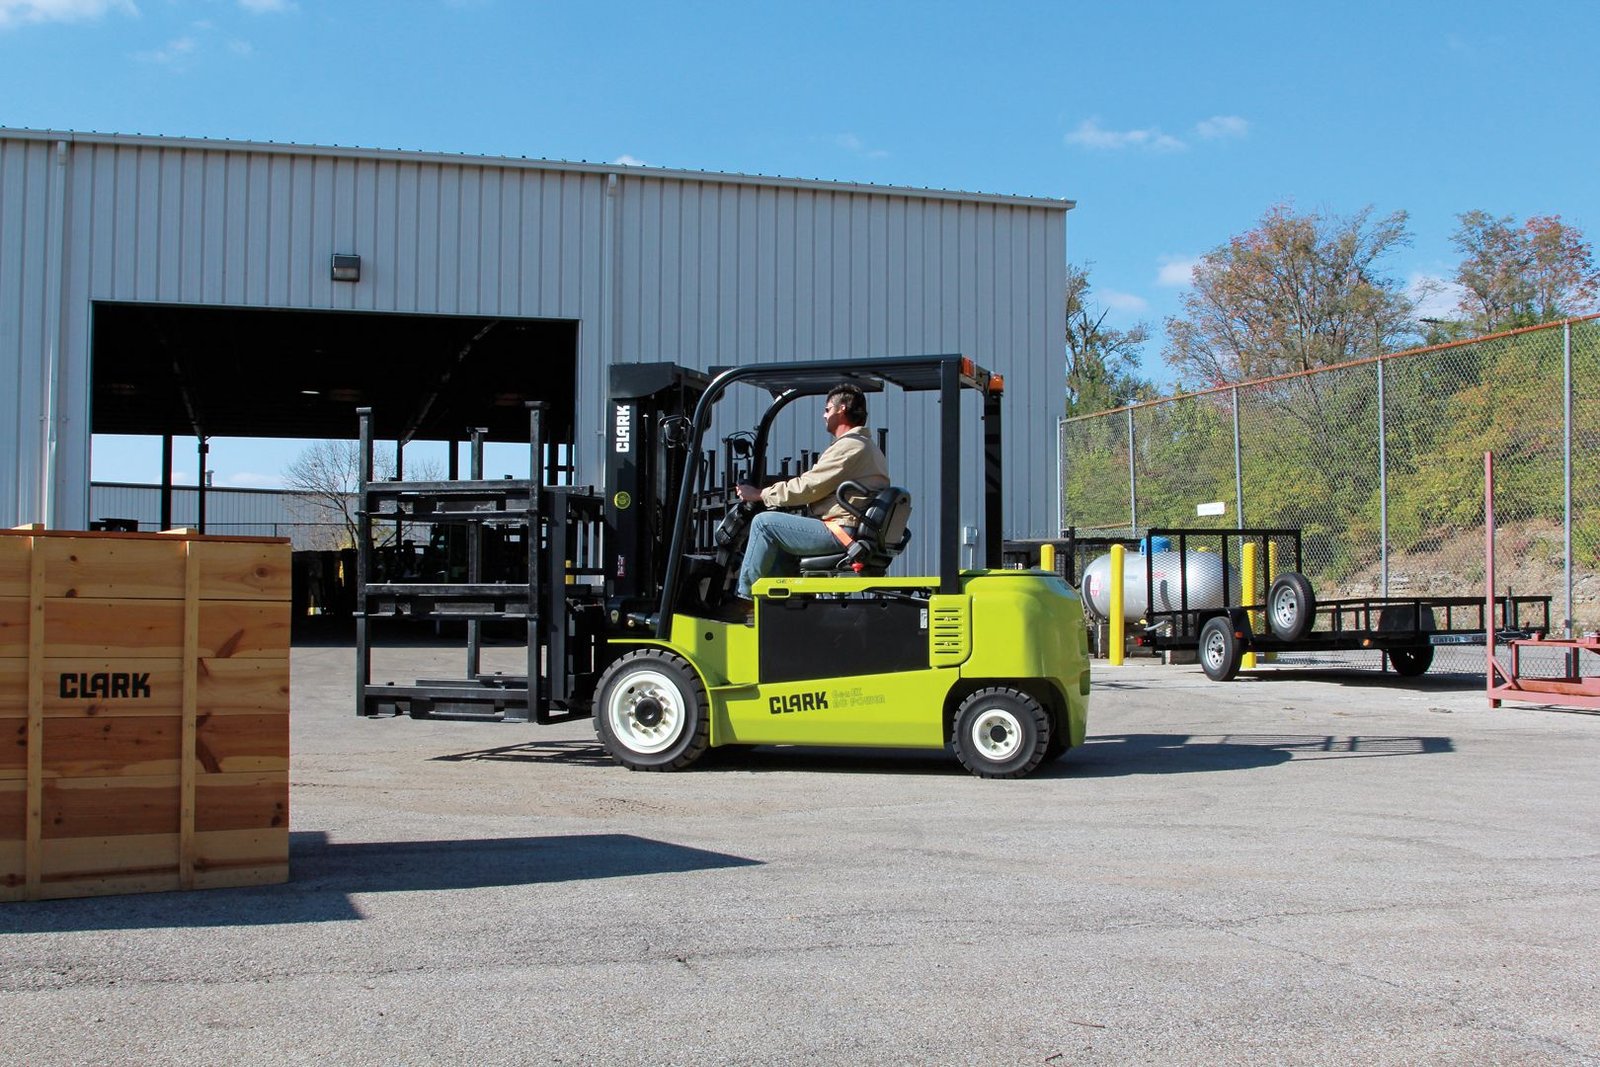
144 712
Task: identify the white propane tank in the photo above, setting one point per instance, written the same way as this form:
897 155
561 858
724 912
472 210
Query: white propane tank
1202 574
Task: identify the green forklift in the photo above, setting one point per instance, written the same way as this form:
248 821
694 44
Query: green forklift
625 591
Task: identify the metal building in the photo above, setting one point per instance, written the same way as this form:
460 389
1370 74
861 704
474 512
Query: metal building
168 286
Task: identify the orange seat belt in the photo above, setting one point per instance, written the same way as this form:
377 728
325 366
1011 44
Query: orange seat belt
842 533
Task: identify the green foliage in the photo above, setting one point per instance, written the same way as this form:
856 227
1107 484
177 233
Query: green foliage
1102 363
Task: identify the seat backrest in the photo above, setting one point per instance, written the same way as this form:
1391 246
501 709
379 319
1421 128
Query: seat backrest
882 534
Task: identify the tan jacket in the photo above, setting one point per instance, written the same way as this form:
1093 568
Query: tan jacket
852 457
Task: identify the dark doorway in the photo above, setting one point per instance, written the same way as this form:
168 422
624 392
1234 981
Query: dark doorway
243 372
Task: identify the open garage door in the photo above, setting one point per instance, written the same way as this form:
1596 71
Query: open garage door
166 370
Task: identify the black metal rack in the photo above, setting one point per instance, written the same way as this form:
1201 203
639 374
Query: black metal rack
507 550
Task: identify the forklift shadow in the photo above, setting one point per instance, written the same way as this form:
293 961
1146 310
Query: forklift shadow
1114 755
581 753
324 875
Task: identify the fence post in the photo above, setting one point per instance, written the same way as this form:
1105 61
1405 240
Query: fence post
1383 484
1566 462
1133 490
1238 464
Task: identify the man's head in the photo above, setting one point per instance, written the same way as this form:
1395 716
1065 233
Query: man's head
846 406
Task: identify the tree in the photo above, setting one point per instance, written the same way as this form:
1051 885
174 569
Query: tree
1522 275
1295 292
1102 363
327 475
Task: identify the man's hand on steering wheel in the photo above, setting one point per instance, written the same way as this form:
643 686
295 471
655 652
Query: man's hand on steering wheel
748 493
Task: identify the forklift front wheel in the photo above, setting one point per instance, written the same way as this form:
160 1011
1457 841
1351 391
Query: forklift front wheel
1001 733
650 711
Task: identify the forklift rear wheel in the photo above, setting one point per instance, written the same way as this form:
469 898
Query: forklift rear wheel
1001 733
1291 606
1220 650
1411 662
650 711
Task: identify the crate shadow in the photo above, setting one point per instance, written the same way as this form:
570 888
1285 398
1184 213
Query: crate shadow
324 875
1115 755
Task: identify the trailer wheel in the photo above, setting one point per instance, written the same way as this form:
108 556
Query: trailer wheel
650 711
1001 733
1411 662
1291 606
1220 651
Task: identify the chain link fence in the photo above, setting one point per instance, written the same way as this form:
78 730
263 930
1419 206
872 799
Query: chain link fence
1380 464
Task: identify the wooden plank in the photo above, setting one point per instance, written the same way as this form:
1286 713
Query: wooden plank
107 688
97 866
94 857
33 855
241 857
145 629
115 629
14 627
229 686
227 744
13 753
231 570
108 747
13 844
243 629
14 553
186 773
105 568
110 806
244 801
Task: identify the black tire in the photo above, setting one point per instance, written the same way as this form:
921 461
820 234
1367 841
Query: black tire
1059 741
1220 651
1291 607
650 711
1411 662
1001 733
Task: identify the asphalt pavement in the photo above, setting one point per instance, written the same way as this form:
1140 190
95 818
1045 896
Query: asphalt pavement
1296 867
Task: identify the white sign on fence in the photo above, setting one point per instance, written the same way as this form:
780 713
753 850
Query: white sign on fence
1216 507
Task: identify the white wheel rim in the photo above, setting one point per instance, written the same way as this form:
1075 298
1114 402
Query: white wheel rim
645 710
1284 609
1215 653
997 734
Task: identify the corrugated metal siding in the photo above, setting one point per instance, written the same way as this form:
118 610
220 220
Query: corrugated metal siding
240 512
699 269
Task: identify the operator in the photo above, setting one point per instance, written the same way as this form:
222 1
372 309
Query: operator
779 539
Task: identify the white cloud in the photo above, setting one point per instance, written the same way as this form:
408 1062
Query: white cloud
1090 134
851 143
1126 302
626 160
261 7
175 50
19 12
1436 297
1222 127
1176 271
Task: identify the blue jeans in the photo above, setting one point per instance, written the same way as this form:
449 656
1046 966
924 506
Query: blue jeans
778 540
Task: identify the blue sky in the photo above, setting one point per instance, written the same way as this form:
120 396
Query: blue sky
1173 125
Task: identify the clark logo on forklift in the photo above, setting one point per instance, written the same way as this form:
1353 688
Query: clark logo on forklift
114 685
784 705
624 435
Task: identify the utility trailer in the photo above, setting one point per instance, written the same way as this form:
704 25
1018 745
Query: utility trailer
624 593
1291 619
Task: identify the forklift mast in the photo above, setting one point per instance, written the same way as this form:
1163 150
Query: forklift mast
646 455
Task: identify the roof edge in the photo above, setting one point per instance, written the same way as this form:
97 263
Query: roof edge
524 163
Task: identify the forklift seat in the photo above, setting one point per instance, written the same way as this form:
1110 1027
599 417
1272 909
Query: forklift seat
880 533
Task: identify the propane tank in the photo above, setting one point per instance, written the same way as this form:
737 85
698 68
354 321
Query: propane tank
1200 574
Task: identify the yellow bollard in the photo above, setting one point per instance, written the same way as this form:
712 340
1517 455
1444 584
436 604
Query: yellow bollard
1117 640
1247 590
1047 557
